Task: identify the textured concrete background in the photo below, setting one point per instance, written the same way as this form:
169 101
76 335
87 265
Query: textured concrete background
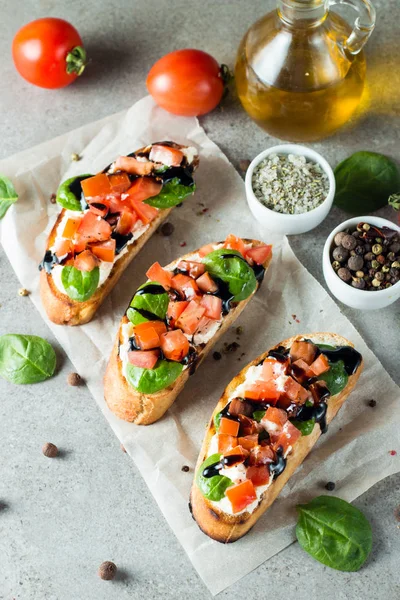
59 519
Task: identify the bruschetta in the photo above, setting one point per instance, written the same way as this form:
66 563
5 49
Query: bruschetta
174 320
105 220
265 424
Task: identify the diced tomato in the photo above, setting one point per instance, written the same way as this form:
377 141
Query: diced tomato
235 456
79 244
258 475
119 182
190 318
174 345
276 416
126 222
301 370
186 286
213 306
238 406
71 227
295 392
145 212
234 243
206 284
261 455
144 188
132 165
263 390
229 427
204 326
320 365
175 309
62 247
290 434
249 441
241 495
204 250
303 350
195 269
172 157
100 208
148 334
117 205
146 359
226 442
160 275
97 186
247 426
259 254
86 261
272 368
104 250
94 229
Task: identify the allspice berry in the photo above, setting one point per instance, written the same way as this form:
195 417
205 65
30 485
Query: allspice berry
74 379
50 450
107 570
23 292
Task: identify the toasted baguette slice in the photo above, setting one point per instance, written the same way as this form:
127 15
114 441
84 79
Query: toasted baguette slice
60 308
224 527
142 409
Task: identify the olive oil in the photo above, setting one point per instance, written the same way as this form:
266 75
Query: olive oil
294 75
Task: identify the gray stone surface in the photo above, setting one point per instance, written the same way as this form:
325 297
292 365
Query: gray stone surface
59 519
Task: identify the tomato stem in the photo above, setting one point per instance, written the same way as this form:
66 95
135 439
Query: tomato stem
226 74
76 60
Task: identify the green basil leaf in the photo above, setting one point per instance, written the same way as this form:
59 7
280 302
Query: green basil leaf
306 427
258 415
26 358
334 532
364 181
217 420
236 272
8 195
394 201
212 488
150 381
70 191
135 317
172 193
155 304
80 285
323 347
336 378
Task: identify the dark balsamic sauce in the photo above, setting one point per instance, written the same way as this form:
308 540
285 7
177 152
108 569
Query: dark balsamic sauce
152 288
350 357
232 460
184 174
276 468
190 360
280 354
121 241
316 412
212 470
227 415
48 262
146 314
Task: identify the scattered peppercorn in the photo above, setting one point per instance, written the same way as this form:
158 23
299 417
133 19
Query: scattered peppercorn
231 347
75 157
340 254
23 292
107 570
217 355
53 198
167 229
349 242
372 403
330 486
74 379
239 330
185 469
344 274
50 450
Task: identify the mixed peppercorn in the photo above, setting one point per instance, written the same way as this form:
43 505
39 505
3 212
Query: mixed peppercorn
368 257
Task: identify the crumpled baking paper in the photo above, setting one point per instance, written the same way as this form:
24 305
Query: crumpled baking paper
351 453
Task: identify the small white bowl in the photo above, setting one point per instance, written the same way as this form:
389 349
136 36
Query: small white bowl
364 299
290 224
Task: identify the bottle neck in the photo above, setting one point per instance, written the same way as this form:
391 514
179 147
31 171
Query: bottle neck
303 13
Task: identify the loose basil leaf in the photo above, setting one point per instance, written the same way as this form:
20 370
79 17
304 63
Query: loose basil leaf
334 532
8 195
155 304
212 488
150 381
336 378
70 191
236 272
258 415
306 427
217 420
26 358
172 193
80 285
364 181
323 347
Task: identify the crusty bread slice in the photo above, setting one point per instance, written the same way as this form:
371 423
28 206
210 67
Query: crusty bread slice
227 528
143 409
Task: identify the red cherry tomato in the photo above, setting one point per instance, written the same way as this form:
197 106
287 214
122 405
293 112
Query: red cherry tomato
48 53
187 82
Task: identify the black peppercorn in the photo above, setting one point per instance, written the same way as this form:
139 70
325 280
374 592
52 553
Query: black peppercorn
359 250
167 229
372 403
369 256
185 469
217 355
395 247
330 486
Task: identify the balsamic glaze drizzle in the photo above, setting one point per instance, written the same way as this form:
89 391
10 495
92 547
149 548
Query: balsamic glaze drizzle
277 467
48 262
120 241
350 357
152 288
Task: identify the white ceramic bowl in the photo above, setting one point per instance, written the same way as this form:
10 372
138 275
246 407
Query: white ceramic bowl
290 224
364 299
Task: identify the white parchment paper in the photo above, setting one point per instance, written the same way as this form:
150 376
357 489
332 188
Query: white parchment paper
355 453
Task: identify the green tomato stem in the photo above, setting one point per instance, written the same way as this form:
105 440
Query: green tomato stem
76 60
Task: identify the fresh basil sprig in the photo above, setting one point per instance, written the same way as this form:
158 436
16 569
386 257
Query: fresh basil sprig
172 193
80 285
233 270
212 488
217 420
150 381
306 427
364 181
336 378
26 358
334 532
70 191
8 195
154 305
258 415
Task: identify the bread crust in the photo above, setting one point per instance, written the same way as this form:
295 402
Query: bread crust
228 528
143 409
